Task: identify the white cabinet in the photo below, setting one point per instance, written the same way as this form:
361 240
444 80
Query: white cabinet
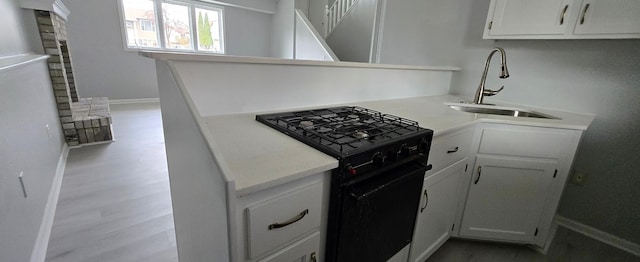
518 17
305 250
506 198
514 188
440 195
609 17
283 223
563 19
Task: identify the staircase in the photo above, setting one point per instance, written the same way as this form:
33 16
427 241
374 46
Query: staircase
336 12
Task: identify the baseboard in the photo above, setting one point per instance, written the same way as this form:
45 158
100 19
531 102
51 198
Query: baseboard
39 252
599 235
133 101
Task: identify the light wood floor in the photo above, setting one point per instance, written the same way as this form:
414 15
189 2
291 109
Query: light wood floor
567 246
115 205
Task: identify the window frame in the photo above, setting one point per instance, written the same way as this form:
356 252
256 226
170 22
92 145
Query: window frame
159 23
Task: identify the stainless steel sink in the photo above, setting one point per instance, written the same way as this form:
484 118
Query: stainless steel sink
496 110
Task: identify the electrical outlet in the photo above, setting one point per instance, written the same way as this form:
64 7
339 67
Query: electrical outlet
579 178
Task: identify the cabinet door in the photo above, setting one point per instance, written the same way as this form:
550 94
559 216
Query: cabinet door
609 17
305 250
437 210
506 198
526 17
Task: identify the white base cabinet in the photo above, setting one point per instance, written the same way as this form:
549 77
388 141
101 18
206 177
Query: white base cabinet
563 19
285 222
506 198
440 195
513 191
305 250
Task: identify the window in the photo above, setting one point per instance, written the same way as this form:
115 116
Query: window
147 25
180 25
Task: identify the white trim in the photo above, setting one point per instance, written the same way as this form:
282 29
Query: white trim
273 11
39 251
177 56
61 10
133 101
56 7
10 62
599 235
307 24
381 15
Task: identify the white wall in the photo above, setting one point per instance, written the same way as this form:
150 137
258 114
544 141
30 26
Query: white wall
282 86
594 76
309 44
352 38
282 30
26 106
103 68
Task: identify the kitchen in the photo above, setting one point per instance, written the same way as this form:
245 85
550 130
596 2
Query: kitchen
589 76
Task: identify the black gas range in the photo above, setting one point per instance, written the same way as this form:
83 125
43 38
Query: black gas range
375 191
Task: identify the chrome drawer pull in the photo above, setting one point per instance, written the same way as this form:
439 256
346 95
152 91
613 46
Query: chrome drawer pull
291 221
452 150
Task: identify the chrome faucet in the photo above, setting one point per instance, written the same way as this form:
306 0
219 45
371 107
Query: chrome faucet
504 73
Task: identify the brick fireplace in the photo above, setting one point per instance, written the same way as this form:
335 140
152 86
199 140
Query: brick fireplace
84 120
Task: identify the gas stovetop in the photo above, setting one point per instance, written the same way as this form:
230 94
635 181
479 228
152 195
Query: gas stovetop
343 131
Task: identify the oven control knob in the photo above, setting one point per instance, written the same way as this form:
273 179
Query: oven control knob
378 159
404 151
351 170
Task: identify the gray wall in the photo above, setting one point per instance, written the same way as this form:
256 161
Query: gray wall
592 76
418 32
26 106
103 68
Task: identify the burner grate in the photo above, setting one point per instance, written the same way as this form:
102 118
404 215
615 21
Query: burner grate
341 129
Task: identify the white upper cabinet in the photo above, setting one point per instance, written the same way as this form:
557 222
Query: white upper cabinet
563 19
609 17
526 17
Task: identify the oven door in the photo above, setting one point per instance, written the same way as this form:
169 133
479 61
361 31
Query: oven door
378 214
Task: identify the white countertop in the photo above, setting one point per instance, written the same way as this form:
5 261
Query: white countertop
258 157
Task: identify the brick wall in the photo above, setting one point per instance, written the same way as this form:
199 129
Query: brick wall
84 120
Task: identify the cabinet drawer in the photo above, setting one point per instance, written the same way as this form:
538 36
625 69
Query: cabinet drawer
536 143
448 150
303 251
277 221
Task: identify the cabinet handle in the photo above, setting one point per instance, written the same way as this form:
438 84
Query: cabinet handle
452 150
426 202
564 11
478 178
291 221
312 257
584 13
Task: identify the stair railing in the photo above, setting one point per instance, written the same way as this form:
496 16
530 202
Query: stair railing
336 12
